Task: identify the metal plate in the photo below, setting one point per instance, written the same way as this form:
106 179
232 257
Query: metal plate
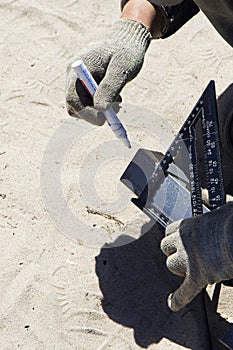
169 188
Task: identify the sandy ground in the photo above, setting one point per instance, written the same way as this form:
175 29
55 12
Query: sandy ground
61 199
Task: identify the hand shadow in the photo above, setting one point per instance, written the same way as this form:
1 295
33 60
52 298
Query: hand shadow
135 284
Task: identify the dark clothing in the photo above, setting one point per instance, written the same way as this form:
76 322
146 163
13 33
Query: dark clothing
220 14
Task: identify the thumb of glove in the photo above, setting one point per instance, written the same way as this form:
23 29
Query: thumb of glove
111 85
183 295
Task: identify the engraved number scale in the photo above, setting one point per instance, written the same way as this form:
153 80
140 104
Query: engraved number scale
185 144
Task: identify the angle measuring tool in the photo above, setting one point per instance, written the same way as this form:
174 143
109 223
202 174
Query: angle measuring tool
169 188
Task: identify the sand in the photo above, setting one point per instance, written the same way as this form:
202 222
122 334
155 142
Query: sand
60 194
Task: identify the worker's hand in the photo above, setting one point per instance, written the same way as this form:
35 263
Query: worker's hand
200 249
113 62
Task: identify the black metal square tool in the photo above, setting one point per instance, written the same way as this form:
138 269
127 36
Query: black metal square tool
169 187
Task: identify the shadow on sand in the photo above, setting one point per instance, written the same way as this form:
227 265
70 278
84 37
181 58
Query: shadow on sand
135 284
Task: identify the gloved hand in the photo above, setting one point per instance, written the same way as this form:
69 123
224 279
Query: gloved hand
201 250
113 62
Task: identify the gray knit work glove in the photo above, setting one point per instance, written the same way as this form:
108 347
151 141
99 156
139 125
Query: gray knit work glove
201 250
113 62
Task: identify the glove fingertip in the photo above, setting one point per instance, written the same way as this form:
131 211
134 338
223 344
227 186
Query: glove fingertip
104 97
171 302
109 89
174 226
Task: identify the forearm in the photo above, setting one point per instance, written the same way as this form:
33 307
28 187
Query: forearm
146 13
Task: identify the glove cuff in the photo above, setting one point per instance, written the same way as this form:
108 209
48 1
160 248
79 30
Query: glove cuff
162 22
130 30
